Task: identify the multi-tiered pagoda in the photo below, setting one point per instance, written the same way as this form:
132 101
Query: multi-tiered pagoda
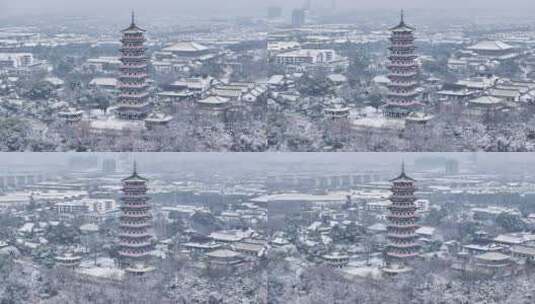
401 99
133 102
401 231
135 224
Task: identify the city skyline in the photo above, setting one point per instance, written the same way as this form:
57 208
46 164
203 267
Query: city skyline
238 7
279 162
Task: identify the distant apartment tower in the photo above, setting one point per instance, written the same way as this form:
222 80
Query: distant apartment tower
298 17
308 5
109 166
403 75
133 101
274 12
402 245
135 224
451 167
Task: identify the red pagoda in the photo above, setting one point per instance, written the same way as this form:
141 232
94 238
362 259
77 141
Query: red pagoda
133 102
135 224
401 231
403 75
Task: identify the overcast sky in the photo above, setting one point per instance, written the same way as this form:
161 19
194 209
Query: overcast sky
233 7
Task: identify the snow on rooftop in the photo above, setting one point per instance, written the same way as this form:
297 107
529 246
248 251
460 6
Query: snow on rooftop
104 81
112 123
186 47
486 100
371 118
490 46
334 196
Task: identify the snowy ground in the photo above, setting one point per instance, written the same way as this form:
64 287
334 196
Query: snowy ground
371 118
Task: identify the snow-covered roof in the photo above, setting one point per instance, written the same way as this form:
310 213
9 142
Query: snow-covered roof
54 81
337 78
223 253
103 81
335 196
426 230
486 100
493 256
530 251
276 79
186 47
490 46
214 100
377 227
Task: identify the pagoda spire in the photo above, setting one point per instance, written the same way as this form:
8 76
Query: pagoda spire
402 16
133 17
135 167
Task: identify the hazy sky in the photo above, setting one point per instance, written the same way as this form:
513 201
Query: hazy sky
280 159
232 7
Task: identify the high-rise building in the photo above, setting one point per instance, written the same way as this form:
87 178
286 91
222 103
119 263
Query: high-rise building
274 12
298 17
133 102
109 166
307 5
451 167
401 231
135 225
403 75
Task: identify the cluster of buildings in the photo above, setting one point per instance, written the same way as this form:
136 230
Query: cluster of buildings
247 71
73 223
385 231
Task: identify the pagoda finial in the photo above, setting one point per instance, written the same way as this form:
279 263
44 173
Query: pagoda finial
135 167
403 167
133 17
402 16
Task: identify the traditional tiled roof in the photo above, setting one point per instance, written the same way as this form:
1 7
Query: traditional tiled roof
402 26
135 176
186 47
133 27
403 175
490 46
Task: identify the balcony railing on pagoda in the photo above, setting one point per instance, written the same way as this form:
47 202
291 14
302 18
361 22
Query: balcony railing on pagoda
404 225
402 255
131 224
134 254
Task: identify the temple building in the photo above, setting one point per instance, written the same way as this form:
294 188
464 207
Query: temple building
336 109
224 259
401 98
71 116
335 260
68 261
133 101
401 231
190 51
493 49
156 120
135 224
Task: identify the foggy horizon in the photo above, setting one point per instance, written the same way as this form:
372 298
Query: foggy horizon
206 8
244 163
